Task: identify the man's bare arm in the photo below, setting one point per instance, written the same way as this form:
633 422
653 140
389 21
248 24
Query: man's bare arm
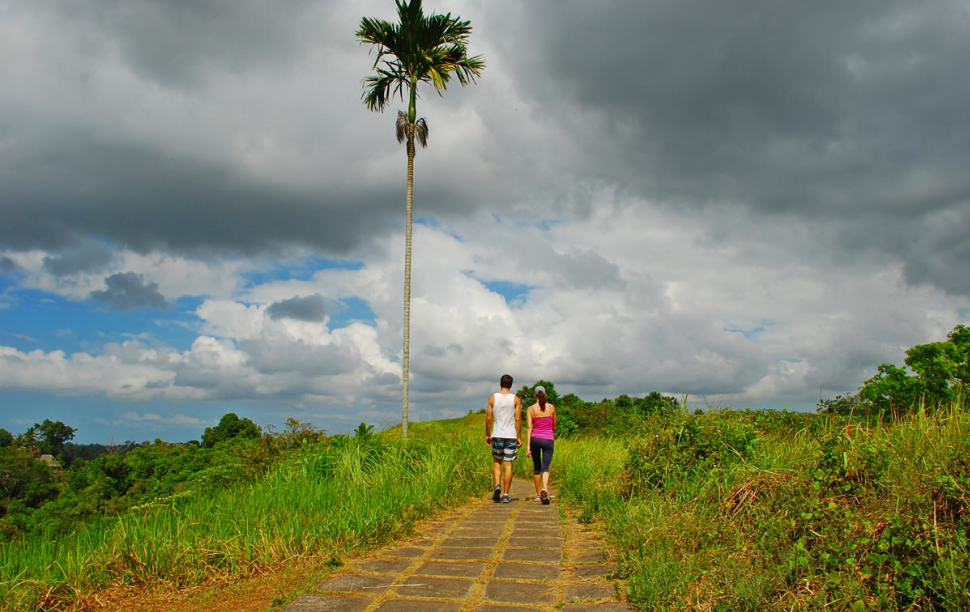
488 418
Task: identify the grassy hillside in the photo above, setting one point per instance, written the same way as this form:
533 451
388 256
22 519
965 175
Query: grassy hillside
322 499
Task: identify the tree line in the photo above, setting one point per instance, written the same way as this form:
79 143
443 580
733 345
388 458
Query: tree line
609 416
933 374
48 484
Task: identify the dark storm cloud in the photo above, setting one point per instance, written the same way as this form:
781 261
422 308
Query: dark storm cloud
309 308
180 42
780 105
829 111
85 257
7 264
127 291
72 169
937 250
825 109
142 198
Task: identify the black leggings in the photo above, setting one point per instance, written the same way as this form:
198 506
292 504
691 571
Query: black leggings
541 454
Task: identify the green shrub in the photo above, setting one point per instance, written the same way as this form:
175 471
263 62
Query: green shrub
677 450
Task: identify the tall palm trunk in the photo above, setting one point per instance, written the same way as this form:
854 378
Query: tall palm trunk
407 287
407 261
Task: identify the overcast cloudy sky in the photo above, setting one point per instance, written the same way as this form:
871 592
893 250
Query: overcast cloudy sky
753 203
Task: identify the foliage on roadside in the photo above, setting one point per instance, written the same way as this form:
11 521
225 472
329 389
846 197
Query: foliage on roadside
324 497
745 510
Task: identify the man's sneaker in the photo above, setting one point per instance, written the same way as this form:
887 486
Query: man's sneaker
544 496
497 493
506 499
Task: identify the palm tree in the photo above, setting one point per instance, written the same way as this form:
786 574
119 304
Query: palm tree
429 49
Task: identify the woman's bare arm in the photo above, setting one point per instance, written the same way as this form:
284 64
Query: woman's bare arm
528 434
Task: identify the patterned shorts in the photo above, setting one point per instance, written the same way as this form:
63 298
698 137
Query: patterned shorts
506 449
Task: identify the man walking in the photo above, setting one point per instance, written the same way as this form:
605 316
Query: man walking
505 412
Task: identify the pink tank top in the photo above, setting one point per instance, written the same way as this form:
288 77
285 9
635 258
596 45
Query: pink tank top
541 426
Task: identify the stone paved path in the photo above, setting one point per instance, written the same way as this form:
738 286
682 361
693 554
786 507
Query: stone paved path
487 557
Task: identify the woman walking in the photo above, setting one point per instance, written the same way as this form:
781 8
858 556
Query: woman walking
541 435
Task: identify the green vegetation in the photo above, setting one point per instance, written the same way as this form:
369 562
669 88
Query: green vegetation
37 496
240 513
230 426
777 511
50 436
933 375
759 510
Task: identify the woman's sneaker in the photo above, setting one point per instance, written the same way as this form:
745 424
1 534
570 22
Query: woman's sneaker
506 499
544 496
536 498
497 494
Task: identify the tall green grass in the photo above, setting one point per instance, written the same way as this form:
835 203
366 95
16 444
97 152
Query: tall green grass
321 500
741 510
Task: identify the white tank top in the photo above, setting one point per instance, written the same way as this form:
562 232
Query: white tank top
503 411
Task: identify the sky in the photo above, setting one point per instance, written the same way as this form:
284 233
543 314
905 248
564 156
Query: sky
750 204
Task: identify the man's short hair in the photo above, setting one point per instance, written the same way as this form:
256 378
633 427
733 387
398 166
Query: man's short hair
506 381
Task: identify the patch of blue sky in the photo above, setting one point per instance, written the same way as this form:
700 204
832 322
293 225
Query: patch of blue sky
99 420
303 269
9 278
344 311
749 331
21 409
515 294
37 320
8 294
434 223
179 327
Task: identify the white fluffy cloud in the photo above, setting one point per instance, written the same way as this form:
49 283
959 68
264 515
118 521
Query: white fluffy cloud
636 298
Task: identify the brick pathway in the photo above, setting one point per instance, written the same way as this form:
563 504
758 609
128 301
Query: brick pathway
487 557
